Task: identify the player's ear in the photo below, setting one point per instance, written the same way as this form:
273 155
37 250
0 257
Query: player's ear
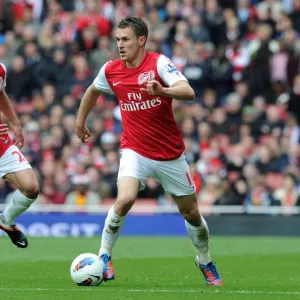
142 40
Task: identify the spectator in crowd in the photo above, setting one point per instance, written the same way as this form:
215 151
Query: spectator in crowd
288 195
81 195
232 194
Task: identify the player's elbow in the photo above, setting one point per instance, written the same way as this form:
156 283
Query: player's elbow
190 94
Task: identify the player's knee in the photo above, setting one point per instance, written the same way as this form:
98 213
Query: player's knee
124 204
192 215
31 190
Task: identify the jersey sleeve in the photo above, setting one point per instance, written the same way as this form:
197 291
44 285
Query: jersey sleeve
101 82
2 77
168 72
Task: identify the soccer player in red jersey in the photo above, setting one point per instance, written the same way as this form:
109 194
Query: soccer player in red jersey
145 84
15 168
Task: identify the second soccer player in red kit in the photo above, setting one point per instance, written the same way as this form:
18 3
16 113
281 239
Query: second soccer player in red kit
15 168
145 84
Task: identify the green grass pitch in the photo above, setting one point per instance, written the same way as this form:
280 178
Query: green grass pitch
154 268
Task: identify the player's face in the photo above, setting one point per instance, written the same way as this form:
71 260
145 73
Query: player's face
129 44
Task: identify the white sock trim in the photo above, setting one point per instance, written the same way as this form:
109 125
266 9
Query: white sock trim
16 207
115 217
203 224
109 238
18 196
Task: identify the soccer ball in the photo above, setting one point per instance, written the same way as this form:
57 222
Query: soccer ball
87 269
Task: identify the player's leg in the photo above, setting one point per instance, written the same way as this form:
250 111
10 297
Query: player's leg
176 180
127 191
15 168
133 171
195 224
26 193
199 234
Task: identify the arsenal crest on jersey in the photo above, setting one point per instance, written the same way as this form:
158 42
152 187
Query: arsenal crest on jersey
145 77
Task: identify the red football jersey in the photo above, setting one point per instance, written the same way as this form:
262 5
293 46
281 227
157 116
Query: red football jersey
6 142
149 127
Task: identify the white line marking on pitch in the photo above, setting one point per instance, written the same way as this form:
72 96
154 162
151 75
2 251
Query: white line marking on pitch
214 292
94 289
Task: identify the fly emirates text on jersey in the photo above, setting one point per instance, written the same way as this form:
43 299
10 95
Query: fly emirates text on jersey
135 102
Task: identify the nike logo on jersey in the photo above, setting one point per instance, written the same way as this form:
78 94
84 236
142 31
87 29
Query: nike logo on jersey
116 83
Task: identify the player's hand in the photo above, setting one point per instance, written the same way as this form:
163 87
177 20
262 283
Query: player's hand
153 88
83 133
19 136
3 130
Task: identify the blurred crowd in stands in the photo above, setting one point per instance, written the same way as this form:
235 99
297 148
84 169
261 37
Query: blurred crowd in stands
242 57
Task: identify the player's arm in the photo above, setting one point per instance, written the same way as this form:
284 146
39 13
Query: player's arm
177 85
7 109
181 90
88 101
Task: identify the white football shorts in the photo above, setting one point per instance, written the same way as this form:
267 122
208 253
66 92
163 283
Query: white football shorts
12 161
173 175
